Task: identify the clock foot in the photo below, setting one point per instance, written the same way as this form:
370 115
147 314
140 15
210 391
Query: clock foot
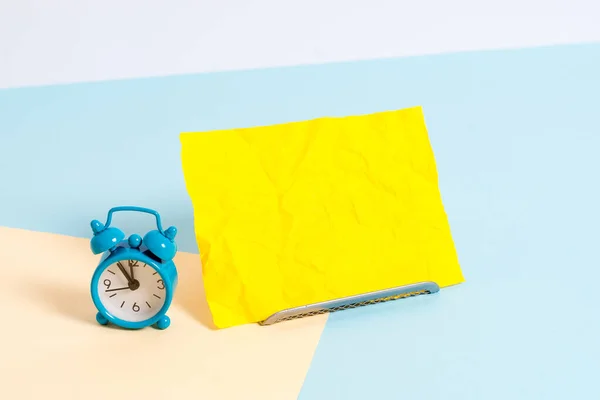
101 319
163 322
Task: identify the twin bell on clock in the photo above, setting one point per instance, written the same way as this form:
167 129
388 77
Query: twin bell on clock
133 285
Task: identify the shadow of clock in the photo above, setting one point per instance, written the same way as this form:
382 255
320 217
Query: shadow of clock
75 302
190 295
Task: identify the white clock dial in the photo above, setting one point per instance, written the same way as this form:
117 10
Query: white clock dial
131 290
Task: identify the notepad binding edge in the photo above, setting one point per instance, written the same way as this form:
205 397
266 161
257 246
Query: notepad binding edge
345 303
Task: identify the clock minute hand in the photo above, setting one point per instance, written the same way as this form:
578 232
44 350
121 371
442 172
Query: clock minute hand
114 290
122 268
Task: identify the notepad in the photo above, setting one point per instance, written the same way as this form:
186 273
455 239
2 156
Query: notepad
304 212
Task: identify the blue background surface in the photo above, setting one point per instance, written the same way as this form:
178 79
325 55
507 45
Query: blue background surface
516 136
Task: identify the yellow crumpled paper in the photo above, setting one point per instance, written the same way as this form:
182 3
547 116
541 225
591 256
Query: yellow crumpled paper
303 212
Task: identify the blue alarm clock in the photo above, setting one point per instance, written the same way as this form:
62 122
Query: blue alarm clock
133 285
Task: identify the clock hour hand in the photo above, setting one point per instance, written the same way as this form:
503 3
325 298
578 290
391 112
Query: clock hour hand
127 276
132 283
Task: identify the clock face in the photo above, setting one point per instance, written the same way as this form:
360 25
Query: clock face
131 290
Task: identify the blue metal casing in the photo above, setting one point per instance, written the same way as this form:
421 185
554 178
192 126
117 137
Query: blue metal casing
160 244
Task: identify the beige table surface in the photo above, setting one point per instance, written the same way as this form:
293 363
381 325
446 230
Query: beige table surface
52 347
